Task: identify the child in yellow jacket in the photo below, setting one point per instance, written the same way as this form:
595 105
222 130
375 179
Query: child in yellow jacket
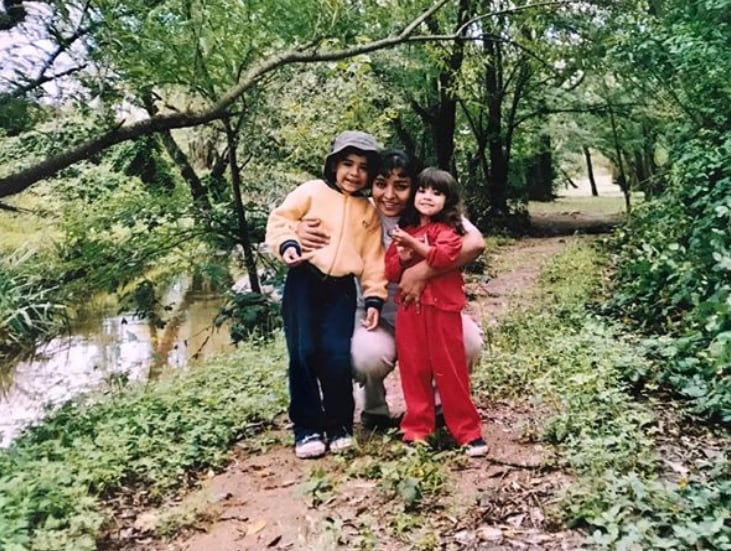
319 301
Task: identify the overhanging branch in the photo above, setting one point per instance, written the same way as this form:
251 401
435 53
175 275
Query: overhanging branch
23 179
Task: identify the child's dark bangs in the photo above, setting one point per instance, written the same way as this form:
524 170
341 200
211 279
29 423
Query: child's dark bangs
438 184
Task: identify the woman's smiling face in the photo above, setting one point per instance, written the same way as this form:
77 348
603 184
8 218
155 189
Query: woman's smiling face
391 193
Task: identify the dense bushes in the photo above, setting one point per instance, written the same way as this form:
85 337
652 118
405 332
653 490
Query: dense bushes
674 274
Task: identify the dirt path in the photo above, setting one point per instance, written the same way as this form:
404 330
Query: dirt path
267 499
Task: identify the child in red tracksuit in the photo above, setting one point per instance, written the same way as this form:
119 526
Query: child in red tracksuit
429 340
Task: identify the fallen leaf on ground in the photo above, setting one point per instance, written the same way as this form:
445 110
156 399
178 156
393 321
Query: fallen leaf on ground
489 533
256 527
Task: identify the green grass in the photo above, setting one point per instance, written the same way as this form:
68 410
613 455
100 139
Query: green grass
584 205
55 480
21 230
580 367
58 479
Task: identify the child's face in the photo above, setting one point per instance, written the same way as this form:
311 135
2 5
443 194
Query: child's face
428 201
391 193
351 173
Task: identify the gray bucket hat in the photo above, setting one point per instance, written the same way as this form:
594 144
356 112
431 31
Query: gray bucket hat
361 142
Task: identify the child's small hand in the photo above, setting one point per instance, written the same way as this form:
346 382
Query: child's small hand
405 239
292 257
405 254
370 321
400 237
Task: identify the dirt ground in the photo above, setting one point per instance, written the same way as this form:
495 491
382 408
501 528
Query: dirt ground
493 503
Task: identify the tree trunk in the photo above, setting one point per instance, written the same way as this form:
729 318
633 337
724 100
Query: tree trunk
540 172
568 179
244 237
497 178
650 184
590 171
623 185
197 190
443 115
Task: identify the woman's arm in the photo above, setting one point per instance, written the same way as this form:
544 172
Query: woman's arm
393 263
414 278
445 246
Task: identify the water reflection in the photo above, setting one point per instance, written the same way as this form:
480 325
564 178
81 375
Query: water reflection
105 348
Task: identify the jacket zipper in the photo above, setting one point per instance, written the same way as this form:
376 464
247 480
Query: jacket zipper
346 198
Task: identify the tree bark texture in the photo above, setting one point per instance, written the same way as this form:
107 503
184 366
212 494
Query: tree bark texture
590 171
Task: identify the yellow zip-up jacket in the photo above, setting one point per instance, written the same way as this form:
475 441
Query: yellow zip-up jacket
353 225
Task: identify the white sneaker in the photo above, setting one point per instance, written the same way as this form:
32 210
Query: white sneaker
476 448
309 447
341 443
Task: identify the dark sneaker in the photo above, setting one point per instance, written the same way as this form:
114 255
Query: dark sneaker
439 421
309 447
476 448
380 423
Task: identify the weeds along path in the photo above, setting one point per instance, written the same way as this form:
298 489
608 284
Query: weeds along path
383 496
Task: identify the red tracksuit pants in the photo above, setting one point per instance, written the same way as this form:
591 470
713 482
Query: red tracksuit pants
430 350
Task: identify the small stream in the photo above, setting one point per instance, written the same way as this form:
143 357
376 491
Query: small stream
105 348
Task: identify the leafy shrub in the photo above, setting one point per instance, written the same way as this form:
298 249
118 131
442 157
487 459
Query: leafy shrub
673 267
418 479
27 310
576 364
55 477
251 315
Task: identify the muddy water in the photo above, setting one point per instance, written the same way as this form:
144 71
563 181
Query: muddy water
105 349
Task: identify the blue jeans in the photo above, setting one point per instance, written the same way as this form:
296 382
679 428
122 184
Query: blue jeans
318 313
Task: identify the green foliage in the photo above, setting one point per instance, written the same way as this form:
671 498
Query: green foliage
567 359
627 510
142 158
186 47
674 259
252 316
673 268
55 477
50 137
318 488
309 121
682 51
417 479
24 230
103 226
16 114
27 309
117 237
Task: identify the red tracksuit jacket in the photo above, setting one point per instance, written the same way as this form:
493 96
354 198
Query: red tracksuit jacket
445 291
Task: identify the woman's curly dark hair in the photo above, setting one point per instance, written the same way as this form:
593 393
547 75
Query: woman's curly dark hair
444 182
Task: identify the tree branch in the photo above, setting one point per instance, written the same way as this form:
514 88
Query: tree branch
516 9
593 109
23 179
11 208
64 43
21 90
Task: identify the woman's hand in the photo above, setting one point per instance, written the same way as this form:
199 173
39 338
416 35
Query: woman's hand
412 283
310 235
